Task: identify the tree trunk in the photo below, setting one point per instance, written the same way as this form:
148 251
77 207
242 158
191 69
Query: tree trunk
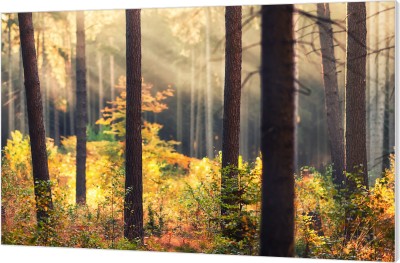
22 102
11 114
81 110
332 105
54 91
231 118
277 131
356 152
192 102
112 77
199 110
101 91
133 207
40 169
179 135
89 93
209 93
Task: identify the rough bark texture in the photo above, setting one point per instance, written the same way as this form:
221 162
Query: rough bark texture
133 207
231 118
356 152
334 119
40 169
277 132
81 110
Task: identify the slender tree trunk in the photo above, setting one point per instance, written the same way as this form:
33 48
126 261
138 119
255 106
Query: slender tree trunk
81 110
277 131
44 87
112 77
179 111
244 131
89 93
133 207
101 90
71 97
40 169
192 102
373 82
11 114
231 119
199 110
332 105
209 93
22 94
356 152
56 113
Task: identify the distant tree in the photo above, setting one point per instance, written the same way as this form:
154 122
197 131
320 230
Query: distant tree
81 109
332 104
277 131
208 92
11 110
356 152
231 117
40 169
133 206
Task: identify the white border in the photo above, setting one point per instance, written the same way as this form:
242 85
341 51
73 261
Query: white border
41 254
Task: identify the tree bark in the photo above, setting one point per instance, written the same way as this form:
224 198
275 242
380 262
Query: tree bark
133 207
40 169
11 117
231 118
356 152
332 105
81 110
277 131
22 95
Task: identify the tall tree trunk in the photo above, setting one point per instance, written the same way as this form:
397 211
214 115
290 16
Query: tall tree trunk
101 90
199 111
380 95
11 114
112 77
332 105
81 110
277 131
71 97
386 133
373 83
356 152
192 102
40 169
56 113
133 207
22 95
179 110
45 87
209 93
231 119
244 131
89 93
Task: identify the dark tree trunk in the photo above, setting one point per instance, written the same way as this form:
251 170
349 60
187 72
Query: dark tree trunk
334 118
231 117
277 131
356 152
40 169
133 207
81 110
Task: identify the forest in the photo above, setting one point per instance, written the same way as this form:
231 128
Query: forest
243 130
